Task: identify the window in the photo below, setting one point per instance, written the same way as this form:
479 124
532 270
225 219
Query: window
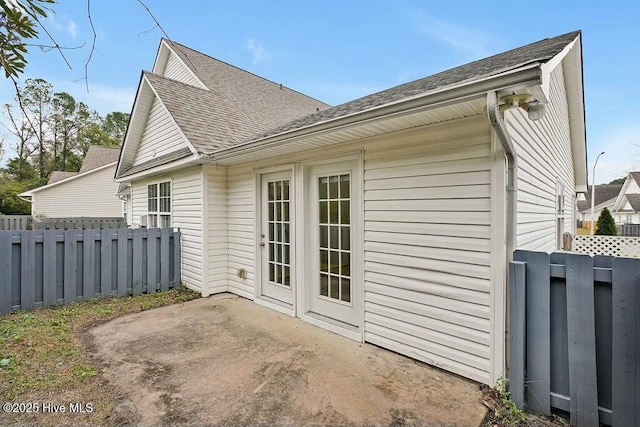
159 205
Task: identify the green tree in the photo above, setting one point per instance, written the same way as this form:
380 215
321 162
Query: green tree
115 125
606 226
618 181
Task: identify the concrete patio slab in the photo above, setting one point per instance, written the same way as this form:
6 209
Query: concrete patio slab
227 361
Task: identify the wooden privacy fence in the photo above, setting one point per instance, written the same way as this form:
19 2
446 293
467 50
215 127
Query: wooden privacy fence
629 230
80 223
575 336
44 267
15 222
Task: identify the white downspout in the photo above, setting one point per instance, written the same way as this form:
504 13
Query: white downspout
495 117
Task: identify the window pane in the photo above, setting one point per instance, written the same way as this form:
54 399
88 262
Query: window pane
278 232
333 238
323 212
285 237
272 252
333 187
334 262
346 238
165 189
278 211
344 186
345 212
152 205
166 221
324 236
165 205
286 249
285 189
324 285
152 190
333 212
345 264
345 290
322 188
279 253
278 273
285 211
334 287
287 276
272 274
324 260
271 232
278 190
272 211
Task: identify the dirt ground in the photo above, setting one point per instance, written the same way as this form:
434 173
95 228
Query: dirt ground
227 361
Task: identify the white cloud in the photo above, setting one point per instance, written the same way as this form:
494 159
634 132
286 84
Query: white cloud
259 54
475 43
72 29
63 23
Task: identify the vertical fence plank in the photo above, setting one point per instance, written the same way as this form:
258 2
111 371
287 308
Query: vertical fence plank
517 326
122 262
6 267
137 261
581 333
164 258
105 262
538 330
626 342
177 259
27 271
50 268
70 265
89 264
152 259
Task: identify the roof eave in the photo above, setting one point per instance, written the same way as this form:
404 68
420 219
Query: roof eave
71 178
167 167
525 76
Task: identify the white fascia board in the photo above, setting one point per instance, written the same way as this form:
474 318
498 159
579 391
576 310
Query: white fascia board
162 56
622 193
71 178
168 167
526 76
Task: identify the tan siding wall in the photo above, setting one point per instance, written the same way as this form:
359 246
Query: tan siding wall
428 246
544 158
161 135
186 208
91 195
217 232
241 229
176 70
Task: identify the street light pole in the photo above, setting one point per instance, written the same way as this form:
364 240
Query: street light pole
593 191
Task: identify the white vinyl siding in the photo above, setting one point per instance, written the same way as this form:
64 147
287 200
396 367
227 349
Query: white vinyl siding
544 159
428 247
92 194
217 233
161 135
241 226
177 70
186 200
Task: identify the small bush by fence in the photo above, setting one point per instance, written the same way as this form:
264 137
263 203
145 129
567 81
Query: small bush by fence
15 222
44 267
607 245
574 336
80 223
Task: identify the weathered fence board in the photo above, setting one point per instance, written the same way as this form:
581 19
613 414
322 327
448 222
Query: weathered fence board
593 308
79 223
44 267
629 230
15 222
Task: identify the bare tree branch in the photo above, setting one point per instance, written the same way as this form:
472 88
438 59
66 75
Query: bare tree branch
47 48
55 43
154 19
93 45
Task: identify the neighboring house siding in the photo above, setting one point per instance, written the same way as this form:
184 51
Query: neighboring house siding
176 70
93 194
186 210
428 247
241 226
217 232
161 135
544 158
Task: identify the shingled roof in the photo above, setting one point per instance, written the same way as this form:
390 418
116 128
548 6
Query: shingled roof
98 156
538 52
237 106
634 201
604 192
59 176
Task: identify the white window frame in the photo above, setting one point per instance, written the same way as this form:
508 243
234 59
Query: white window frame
560 213
155 217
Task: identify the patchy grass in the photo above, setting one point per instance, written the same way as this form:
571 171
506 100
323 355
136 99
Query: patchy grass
42 358
582 231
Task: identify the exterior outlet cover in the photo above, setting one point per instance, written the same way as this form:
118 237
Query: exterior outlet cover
242 273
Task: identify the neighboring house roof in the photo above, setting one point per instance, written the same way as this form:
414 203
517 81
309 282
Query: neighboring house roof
634 201
99 156
635 176
59 176
603 193
540 51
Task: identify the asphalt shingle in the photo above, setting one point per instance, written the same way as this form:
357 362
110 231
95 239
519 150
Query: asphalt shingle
98 156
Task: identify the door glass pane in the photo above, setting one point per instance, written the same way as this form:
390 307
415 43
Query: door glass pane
285 211
285 237
334 205
279 232
287 276
278 195
286 254
285 189
272 190
278 211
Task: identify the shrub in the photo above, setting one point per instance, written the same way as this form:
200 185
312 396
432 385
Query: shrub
606 226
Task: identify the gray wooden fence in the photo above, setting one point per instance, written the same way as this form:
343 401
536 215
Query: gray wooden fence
44 267
628 230
80 223
15 222
575 336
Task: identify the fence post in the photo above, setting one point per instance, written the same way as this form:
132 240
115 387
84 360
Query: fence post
517 330
70 266
581 333
626 342
152 259
105 262
89 265
123 272
50 267
177 258
27 271
6 267
164 262
137 262
567 240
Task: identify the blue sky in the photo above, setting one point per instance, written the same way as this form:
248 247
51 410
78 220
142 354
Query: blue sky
340 50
